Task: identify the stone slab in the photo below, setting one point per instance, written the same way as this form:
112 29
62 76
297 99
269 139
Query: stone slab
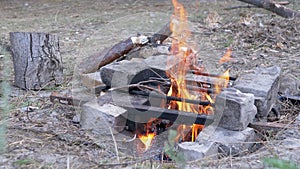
264 84
195 150
235 109
121 73
100 117
163 62
127 72
91 80
229 142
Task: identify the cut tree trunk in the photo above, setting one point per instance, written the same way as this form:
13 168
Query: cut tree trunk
36 58
274 7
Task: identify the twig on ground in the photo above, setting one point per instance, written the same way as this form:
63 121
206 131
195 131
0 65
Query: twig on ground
240 6
115 143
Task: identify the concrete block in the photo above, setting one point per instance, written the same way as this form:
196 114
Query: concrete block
96 117
235 109
121 73
195 150
163 62
132 72
263 83
229 142
91 80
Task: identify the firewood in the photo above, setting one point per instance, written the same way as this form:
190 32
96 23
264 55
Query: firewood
36 59
99 59
272 6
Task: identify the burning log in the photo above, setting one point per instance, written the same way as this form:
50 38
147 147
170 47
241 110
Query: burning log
36 59
179 117
96 61
274 7
169 98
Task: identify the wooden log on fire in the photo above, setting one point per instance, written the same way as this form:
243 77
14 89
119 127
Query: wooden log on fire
36 59
99 59
272 6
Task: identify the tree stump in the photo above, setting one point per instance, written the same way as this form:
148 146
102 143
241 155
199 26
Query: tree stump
36 58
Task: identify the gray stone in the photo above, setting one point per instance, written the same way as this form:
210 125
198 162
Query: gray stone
289 85
96 117
93 82
235 109
205 81
229 142
163 62
195 150
121 73
264 84
132 72
148 51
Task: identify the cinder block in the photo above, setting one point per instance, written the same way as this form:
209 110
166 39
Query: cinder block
96 117
234 109
229 142
195 150
163 62
263 83
91 80
122 73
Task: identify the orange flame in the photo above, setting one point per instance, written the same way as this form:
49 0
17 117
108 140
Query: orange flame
226 57
147 139
222 82
181 50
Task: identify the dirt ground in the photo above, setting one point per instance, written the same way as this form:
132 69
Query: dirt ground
51 137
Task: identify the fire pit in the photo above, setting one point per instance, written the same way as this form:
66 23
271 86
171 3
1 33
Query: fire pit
210 112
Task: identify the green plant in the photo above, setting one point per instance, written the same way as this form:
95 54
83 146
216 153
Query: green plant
172 152
23 162
280 164
228 42
4 100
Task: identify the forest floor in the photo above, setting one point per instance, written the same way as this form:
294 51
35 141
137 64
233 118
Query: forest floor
50 137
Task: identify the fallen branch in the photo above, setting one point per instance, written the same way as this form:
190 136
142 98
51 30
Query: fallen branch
96 61
274 7
240 6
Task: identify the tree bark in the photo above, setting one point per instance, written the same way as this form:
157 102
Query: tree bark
36 59
274 7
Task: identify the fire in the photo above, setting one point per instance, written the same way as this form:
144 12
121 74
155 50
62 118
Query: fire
183 51
147 139
226 57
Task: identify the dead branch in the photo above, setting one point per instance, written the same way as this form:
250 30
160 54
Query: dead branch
96 61
274 7
240 6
